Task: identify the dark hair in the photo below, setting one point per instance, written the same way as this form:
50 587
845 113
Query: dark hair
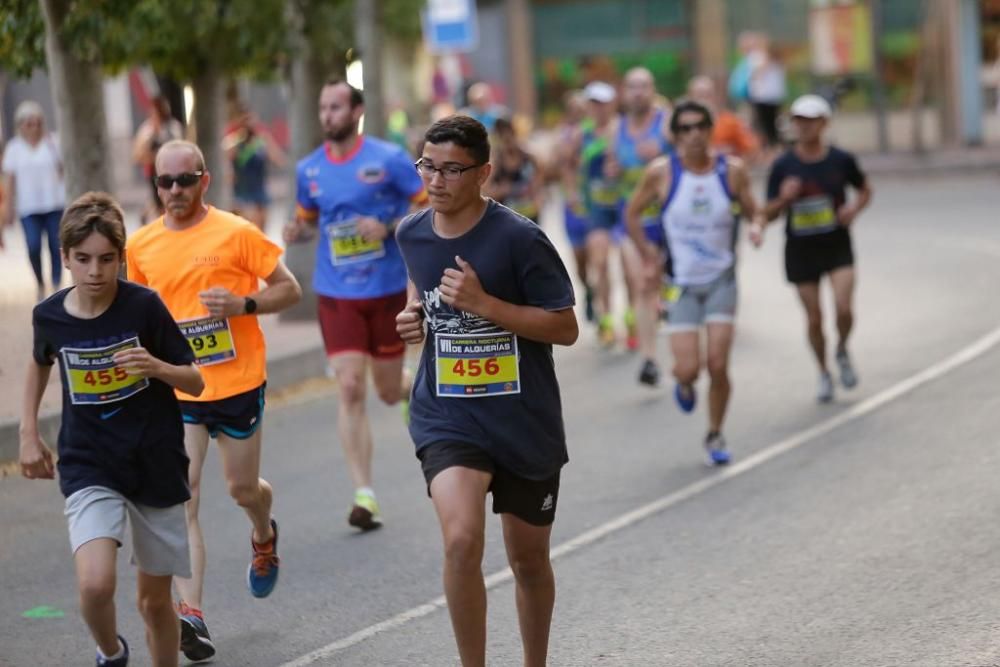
503 125
688 106
462 131
357 97
93 212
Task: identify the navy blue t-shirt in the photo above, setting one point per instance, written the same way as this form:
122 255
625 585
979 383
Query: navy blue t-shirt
811 218
476 383
118 431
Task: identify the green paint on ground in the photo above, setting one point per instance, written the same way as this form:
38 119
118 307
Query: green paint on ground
44 611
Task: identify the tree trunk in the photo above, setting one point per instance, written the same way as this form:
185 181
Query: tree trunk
208 122
78 93
309 69
368 38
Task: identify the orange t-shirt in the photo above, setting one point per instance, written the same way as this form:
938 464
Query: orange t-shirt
732 134
223 250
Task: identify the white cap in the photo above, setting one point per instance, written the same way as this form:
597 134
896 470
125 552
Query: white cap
811 106
598 91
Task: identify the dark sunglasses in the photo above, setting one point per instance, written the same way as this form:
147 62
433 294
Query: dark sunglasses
700 125
186 180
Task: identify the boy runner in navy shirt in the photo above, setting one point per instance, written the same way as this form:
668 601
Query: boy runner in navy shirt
485 411
121 442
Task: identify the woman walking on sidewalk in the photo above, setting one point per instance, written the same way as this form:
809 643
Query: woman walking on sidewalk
34 189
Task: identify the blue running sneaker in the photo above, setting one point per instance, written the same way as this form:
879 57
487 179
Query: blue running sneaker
120 661
686 396
715 445
196 643
263 572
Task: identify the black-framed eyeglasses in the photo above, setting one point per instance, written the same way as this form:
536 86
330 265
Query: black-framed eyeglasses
687 127
451 172
185 180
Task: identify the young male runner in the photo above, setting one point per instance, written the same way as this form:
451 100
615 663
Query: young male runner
207 265
809 183
121 441
485 413
355 189
696 190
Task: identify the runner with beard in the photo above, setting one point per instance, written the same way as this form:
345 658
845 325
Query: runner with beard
354 190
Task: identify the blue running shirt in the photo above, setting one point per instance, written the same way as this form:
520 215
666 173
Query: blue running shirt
376 180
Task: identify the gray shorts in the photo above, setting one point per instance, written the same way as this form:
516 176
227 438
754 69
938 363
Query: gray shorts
159 534
695 305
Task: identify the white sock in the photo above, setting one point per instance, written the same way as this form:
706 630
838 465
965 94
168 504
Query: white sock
121 652
366 491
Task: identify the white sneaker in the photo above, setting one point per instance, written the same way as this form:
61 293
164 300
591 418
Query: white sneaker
848 377
825 393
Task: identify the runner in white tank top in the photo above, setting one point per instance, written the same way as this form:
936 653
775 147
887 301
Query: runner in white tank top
697 191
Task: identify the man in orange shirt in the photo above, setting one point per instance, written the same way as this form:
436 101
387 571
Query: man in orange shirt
206 265
730 135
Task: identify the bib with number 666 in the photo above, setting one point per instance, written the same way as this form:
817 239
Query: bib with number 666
476 365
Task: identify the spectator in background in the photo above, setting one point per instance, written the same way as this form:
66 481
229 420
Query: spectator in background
739 78
159 128
483 107
730 135
34 189
249 148
767 92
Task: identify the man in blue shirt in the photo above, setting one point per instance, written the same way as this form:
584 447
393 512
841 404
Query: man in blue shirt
486 415
354 190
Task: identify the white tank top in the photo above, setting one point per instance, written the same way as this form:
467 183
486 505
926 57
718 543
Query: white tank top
699 224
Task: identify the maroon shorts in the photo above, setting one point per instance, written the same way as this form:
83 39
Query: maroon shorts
362 325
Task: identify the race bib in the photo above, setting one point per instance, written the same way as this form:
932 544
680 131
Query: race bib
95 379
813 215
210 340
670 294
348 247
603 193
477 365
525 207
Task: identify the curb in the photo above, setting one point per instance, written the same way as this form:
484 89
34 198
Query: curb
282 372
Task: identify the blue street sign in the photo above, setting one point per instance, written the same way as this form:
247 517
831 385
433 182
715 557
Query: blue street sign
451 26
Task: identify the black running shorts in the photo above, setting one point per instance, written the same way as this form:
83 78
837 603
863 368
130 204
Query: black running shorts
807 259
533 501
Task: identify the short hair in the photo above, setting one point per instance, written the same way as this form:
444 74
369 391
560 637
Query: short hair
357 97
28 109
463 131
687 106
183 143
92 212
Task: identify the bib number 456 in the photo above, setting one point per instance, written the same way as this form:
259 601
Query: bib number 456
476 367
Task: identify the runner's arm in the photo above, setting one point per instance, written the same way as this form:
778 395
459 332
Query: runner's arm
7 206
35 456
646 193
282 291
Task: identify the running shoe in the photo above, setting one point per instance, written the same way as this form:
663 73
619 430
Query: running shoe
365 513
649 374
715 445
196 643
848 378
120 661
632 335
825 393
605 331
262 574
686 396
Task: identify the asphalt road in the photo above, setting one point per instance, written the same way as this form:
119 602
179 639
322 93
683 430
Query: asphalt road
856 534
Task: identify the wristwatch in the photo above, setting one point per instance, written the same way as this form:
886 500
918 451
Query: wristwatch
249 306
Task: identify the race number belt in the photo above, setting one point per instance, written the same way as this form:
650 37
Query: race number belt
813 215
210 340
476 365
348 247
94 378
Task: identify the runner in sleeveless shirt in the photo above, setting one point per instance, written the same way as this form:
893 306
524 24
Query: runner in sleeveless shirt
696 190
641 136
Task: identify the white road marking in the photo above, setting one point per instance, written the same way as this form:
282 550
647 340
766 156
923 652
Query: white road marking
898 390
